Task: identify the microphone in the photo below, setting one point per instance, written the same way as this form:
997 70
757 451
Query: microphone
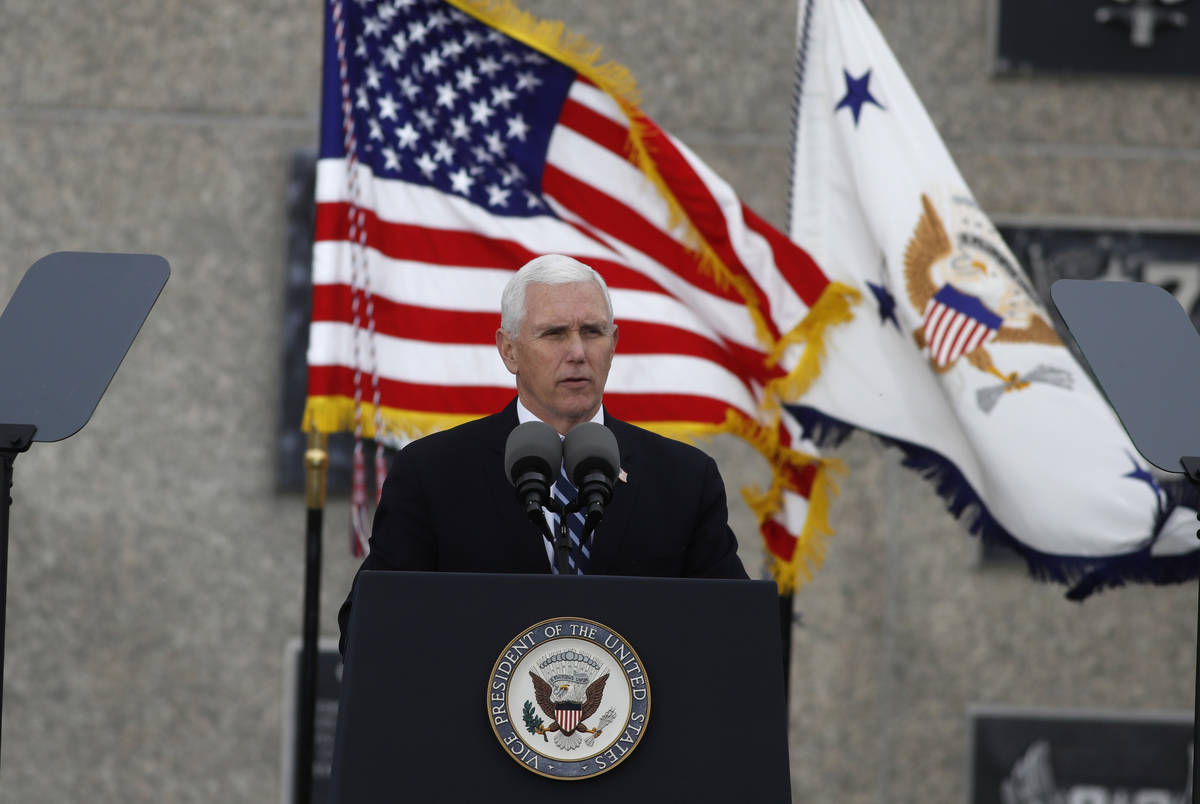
531 458
592 459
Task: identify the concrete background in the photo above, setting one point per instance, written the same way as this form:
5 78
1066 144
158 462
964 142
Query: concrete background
154 570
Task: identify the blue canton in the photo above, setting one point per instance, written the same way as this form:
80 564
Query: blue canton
442 100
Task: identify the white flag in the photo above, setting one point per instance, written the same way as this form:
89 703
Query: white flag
951 356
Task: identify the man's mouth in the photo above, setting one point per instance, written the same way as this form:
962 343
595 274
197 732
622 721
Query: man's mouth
575 382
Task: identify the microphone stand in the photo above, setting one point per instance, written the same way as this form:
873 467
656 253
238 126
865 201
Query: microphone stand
561 540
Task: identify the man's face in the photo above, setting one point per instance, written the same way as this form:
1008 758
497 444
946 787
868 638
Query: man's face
563 352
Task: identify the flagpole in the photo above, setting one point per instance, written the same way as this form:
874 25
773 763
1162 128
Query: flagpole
315 460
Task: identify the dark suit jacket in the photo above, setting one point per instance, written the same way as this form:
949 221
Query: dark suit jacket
446 505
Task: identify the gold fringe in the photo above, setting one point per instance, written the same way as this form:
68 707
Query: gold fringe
335 414
554 39
831 309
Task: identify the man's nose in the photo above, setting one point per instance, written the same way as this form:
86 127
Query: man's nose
575 350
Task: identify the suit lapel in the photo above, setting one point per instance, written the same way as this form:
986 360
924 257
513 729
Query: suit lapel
527 550
615 528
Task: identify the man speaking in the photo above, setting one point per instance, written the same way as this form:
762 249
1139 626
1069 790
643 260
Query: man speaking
447 504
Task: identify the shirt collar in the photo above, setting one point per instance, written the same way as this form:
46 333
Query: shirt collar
524 415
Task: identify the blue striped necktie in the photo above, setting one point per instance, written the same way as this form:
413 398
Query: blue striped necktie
565 492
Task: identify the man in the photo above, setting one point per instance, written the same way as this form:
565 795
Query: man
446 504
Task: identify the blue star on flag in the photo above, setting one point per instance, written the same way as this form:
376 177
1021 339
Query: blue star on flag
857 94
886 302
1142 474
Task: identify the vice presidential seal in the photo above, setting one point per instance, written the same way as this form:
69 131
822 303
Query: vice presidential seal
568 698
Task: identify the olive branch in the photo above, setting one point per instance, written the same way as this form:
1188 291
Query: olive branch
532 722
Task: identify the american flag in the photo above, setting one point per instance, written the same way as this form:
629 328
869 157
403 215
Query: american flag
461 139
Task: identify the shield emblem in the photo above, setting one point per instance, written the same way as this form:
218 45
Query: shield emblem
567 714
955 324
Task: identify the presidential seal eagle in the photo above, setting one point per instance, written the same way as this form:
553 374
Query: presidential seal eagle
568 704
969 294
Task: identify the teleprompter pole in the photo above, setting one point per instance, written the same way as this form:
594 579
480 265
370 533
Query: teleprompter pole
315 460
14 439
1191 467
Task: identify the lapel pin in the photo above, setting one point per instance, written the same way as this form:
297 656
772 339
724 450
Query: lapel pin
622 475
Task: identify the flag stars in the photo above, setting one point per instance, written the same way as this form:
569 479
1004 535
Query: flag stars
459 129
374 130
410 88
387 108
426 165
502 96
488 66
443 151
481 112
471 39
517 128
461 181
361 100
372 77
527 80
400 41
452 50
494 143
391 159
432 62
407 136
391 57
438 20
467 79
497 196
417 31
426 120
447 95
511 174
373 26
532 201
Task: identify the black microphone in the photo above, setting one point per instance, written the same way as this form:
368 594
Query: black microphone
592 460
532 455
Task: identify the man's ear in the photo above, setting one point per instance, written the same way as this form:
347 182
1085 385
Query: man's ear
507 348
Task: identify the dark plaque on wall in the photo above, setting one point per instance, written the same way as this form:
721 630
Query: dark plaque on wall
1037 756
1166 254
1146 37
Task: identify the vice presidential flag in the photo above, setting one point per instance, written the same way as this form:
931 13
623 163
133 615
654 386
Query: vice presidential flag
954 358
461 139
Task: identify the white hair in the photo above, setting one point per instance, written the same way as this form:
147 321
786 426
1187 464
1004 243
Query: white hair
548 269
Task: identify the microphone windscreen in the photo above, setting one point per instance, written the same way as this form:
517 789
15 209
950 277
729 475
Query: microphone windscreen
590 446
532 446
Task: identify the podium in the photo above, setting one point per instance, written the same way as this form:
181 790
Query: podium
418 718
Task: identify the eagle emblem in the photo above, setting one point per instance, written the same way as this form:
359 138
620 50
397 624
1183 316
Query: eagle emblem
572 694
969 293
568 698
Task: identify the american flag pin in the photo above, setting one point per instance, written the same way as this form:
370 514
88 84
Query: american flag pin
623 476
